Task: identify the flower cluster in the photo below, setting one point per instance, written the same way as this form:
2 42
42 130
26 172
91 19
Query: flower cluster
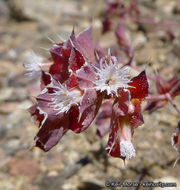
118 15
83 83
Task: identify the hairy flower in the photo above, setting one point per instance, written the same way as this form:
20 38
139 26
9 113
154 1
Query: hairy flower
109 77
73 88
63 98
35 65
126 116
62 104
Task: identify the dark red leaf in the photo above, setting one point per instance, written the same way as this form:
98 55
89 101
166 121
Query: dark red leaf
84 44
141 86
60 54
120 107
106 25
85 77
89 107
103 119
45 79
76 60
52 126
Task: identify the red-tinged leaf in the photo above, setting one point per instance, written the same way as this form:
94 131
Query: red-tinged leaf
99 52
72 82
120 107
84 44
177 91
53 125
52 131
176 139
112 6
86 76
141 86
164 87
45 79
154 105
76 60
103 119
35 113
115 151
121 35
172 82
133 8
89 107
106 25
60 55
113 147
161 85
174 86
76 126
89 99
136 117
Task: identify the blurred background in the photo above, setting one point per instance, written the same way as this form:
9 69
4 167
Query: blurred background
79 161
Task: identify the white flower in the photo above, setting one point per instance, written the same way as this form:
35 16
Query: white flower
126 147
33 64
63 98
110 77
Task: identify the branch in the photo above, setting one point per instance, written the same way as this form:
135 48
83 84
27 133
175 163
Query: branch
172 103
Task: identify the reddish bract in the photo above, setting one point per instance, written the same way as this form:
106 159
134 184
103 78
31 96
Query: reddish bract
166 90
121 116
81 77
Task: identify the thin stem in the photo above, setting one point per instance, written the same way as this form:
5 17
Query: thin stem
172 103
156 97
175 87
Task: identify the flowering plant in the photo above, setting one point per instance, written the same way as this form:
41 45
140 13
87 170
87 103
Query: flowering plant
81 82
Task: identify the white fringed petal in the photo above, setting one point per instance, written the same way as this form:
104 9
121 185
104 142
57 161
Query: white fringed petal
63 98
33 64
110 77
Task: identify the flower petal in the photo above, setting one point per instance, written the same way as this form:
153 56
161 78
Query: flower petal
86 76
120 108
113 147
46 79
60 54
89 107
51 126
72 81
103 119
84 44
136 116
121 35
141 86
76 60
